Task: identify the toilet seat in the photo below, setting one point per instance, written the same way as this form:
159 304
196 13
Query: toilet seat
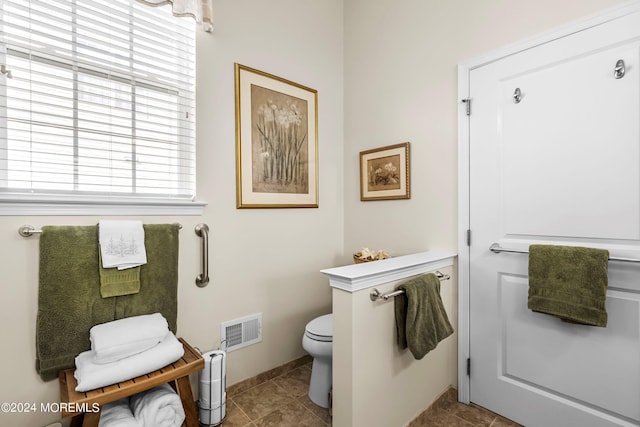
320 328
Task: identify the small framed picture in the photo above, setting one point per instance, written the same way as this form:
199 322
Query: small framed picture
276 142
385 173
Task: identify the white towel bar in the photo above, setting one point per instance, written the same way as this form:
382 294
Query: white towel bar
496 249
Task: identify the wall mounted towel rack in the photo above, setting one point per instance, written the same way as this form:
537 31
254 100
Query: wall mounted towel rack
30 230
496 249
376 295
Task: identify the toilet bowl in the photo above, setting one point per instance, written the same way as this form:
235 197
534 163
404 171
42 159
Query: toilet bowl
318 342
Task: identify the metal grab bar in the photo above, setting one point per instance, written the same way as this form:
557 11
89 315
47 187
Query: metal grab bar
376 295
202 230
496 249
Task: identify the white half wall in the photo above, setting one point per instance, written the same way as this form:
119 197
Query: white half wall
374 383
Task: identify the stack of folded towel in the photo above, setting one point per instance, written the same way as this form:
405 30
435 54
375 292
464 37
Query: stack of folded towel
158 407
118 414
124 349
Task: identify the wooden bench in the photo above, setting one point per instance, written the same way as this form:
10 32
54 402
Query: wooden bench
176 374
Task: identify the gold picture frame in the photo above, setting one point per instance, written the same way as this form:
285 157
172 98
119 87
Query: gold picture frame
385 173
276 141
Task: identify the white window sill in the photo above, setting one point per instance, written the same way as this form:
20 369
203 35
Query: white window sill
96 207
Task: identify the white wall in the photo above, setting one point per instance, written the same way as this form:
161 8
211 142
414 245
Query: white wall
376 384
267 259
261 260
400 82
401 85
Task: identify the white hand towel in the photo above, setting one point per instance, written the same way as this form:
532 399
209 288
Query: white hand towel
121 244
123 338
118 414
91 375
158 407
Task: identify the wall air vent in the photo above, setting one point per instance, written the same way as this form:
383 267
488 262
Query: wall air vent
238 333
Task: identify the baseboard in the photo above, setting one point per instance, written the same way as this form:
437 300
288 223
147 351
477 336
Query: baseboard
450 394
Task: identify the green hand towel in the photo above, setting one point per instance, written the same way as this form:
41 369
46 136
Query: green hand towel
569 282
421 319
114 282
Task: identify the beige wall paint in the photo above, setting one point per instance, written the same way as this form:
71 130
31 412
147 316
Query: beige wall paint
393 63
400 83
264 260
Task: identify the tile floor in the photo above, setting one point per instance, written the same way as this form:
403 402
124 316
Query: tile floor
280 400
448 412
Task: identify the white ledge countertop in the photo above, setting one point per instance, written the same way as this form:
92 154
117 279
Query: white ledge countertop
355 277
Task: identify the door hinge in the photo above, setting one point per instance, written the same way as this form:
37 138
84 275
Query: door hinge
468 237
467 102
469 366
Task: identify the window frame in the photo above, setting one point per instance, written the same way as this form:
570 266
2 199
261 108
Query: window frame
15 201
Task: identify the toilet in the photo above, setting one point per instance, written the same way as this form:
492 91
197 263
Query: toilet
318 342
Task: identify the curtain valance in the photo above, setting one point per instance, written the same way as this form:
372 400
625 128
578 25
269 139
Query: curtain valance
200 10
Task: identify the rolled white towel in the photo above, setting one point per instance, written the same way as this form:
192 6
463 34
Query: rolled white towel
91 375
158 407
118 414
123 338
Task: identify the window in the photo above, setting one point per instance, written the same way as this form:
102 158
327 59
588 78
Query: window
96 102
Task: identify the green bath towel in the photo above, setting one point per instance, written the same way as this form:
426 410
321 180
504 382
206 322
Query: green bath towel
569 282
421 319
69 300
158 277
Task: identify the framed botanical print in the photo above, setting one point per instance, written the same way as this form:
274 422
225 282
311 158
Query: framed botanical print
276 141
385 173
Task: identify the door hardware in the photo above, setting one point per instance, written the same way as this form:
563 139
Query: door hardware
517 96
619 71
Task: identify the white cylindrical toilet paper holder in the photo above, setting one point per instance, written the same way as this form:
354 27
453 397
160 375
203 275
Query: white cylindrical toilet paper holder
213 396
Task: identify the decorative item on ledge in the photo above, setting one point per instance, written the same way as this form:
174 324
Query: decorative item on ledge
366 255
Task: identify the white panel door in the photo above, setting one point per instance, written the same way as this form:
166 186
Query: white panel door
561 166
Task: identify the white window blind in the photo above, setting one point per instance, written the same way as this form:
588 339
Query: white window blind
96 101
